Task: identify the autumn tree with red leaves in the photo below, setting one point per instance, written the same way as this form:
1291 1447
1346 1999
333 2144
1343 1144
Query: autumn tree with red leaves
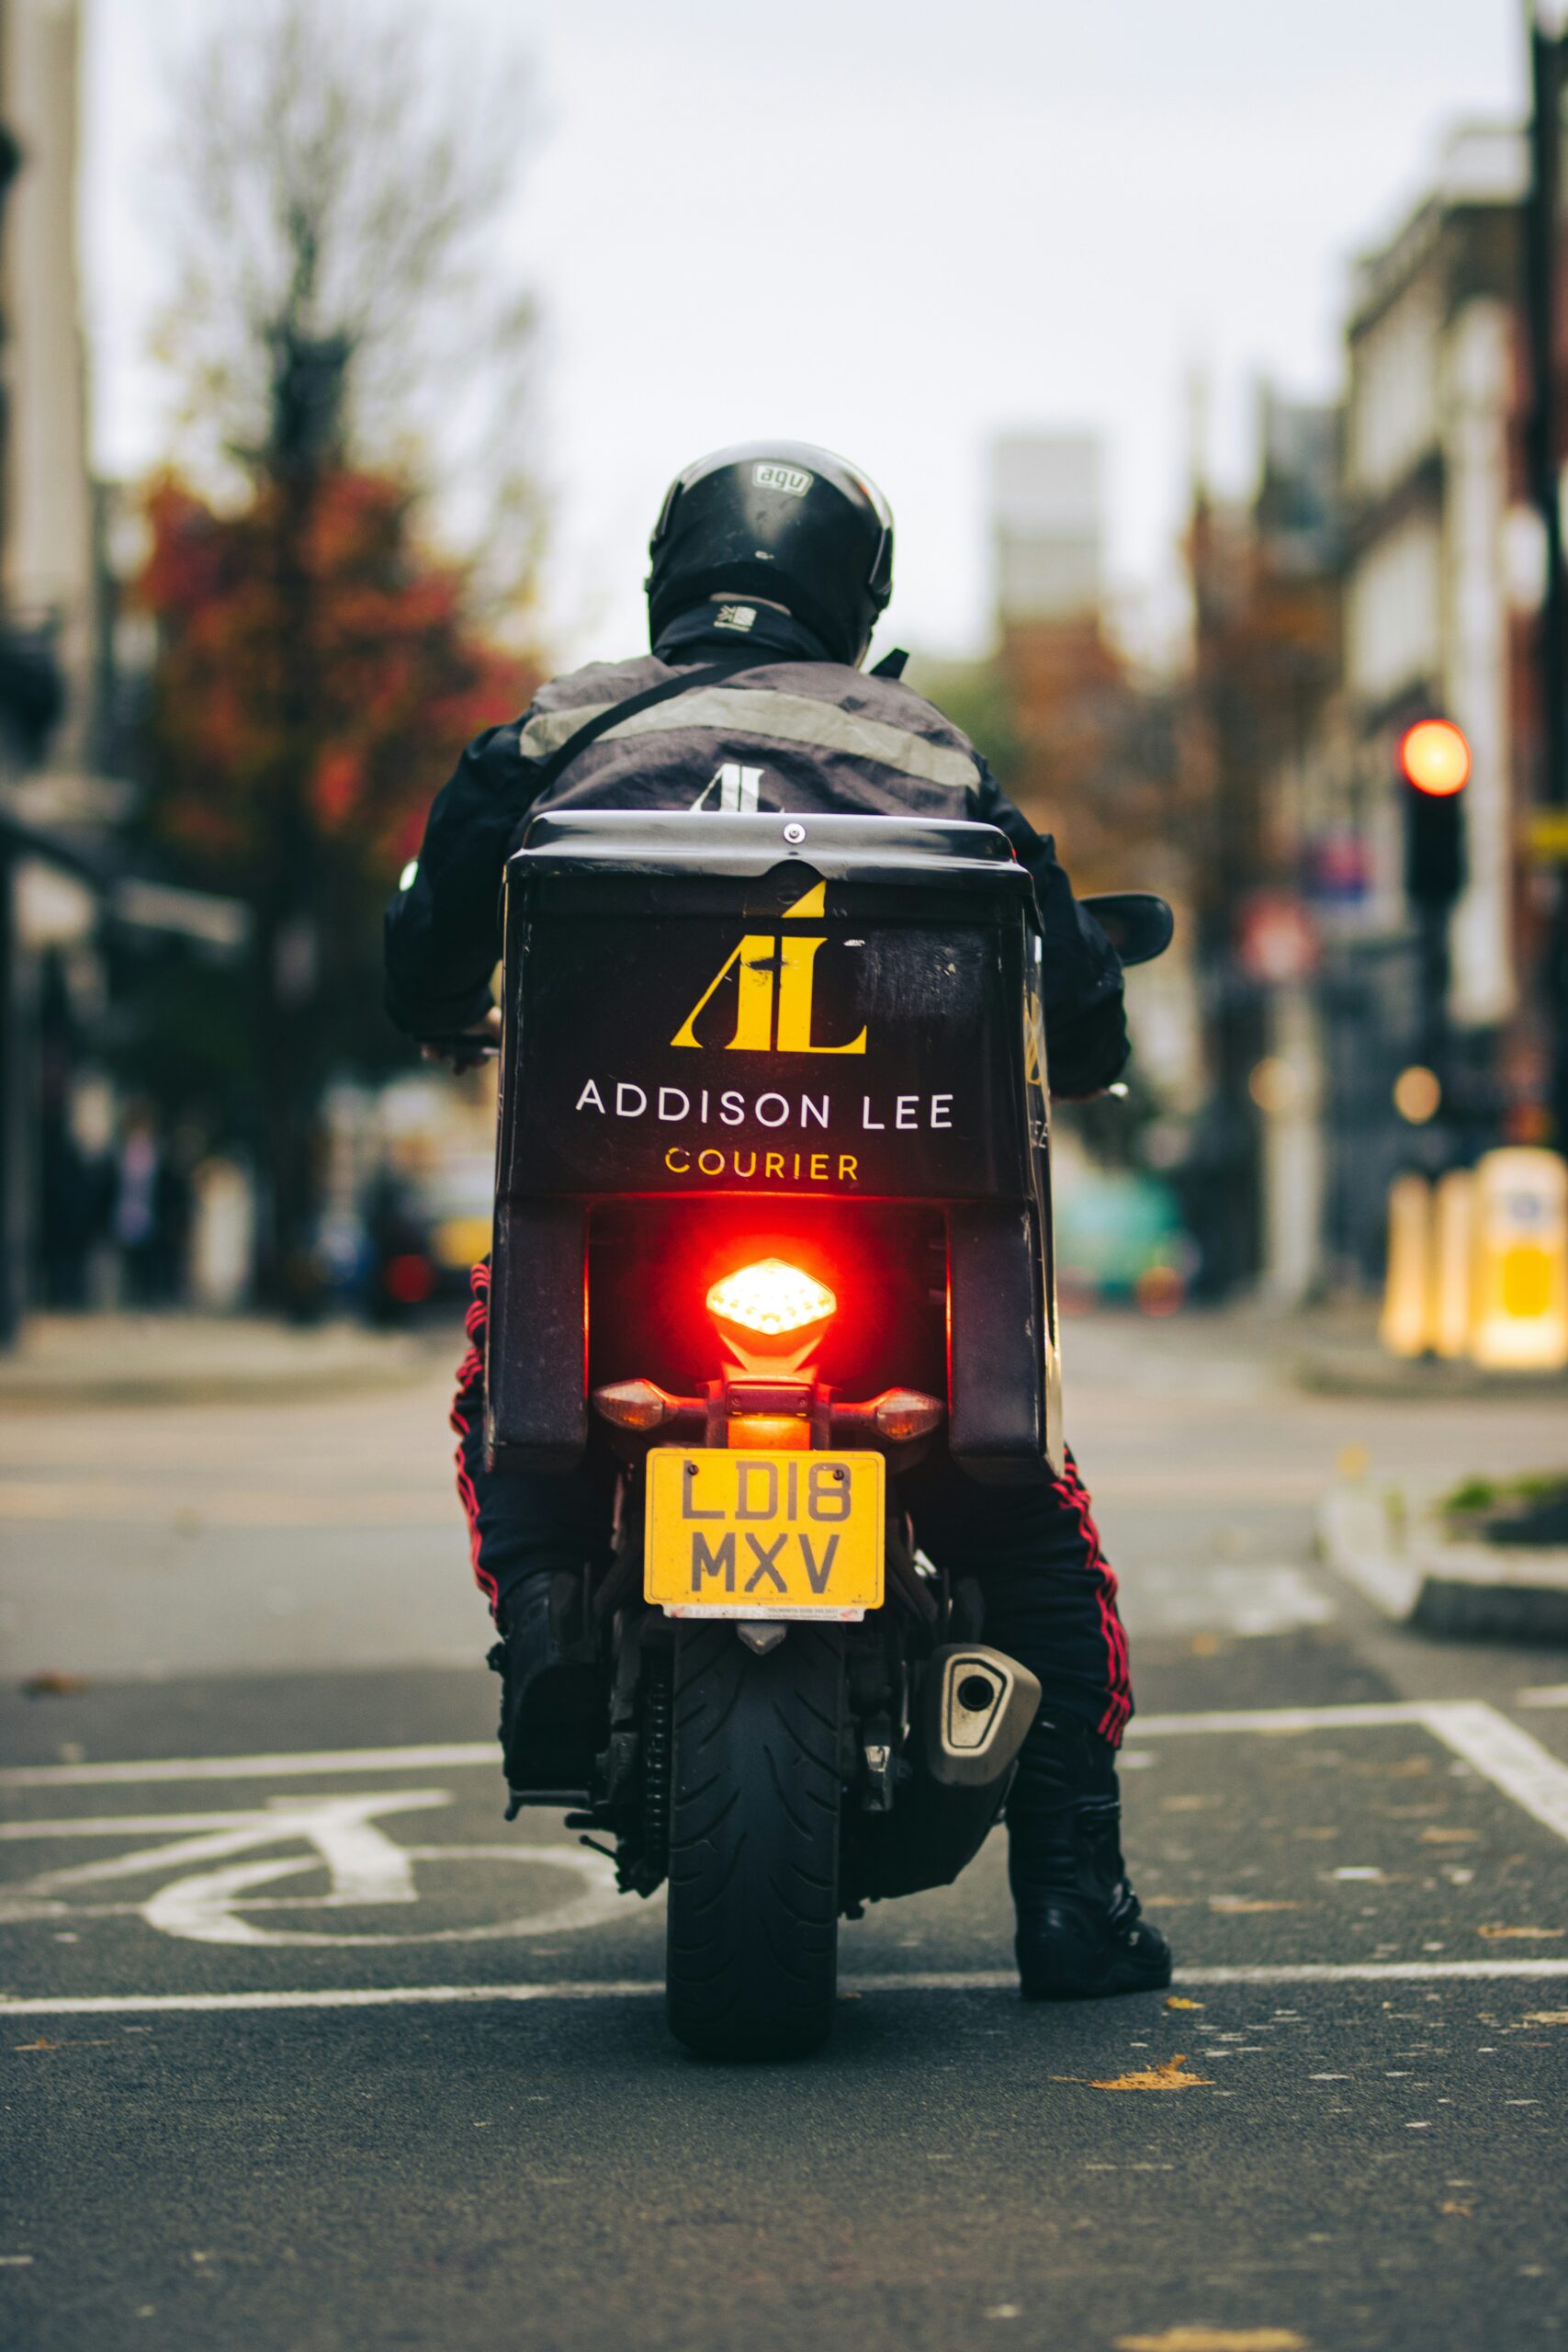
303 714
319 666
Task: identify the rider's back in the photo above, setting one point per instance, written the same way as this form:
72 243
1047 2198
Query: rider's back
792 734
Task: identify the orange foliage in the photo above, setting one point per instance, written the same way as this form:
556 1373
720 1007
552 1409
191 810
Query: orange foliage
395 679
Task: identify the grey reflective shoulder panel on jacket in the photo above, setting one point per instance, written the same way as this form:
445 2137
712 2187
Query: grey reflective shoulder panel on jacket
826 735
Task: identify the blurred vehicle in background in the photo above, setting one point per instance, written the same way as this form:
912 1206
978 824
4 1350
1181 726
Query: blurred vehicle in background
420 1177
1119 1238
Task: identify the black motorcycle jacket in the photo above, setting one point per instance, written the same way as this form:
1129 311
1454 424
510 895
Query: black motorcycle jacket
787 729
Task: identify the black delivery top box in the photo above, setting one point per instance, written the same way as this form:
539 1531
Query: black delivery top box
833 1006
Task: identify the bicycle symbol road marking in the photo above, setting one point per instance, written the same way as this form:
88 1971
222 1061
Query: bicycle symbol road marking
364 1865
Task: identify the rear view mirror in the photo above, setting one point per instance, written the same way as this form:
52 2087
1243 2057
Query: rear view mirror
1138 924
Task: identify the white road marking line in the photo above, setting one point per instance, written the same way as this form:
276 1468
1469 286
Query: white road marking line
118 1824
976 1980
1370 1715
1543 1694
1509 1757
451 1755
456 1754
1505 1754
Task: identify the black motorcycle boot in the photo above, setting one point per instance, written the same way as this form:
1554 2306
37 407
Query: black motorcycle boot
1080 1932
553 1716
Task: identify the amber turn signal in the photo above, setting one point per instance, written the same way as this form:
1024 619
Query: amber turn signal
902 1413
635 1404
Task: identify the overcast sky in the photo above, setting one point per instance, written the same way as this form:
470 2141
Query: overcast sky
893 226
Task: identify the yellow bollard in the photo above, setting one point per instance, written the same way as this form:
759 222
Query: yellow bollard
1405 1325
1521 1260
1451 1306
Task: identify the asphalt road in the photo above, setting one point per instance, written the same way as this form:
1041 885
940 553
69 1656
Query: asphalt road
303 2049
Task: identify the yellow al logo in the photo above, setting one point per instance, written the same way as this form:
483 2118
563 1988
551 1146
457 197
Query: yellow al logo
775 974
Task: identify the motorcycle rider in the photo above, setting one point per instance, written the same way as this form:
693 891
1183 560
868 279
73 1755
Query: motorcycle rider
771 564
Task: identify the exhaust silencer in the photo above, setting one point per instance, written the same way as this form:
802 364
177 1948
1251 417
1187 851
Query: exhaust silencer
977 1706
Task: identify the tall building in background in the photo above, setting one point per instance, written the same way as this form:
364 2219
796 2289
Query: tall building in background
67 897
1085 756
1048 529
1431 455
47 562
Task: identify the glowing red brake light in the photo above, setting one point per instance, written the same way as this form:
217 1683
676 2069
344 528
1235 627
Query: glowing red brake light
771 1299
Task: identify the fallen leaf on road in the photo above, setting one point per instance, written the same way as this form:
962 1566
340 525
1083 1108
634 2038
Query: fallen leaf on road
52 1684
1179 2001
44 2043
1248 1903
1545 2017
1170 2076
1216 2339
1453 2205
1497 1934
1450 1837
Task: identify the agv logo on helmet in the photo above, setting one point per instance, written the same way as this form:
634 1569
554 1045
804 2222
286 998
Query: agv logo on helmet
793 481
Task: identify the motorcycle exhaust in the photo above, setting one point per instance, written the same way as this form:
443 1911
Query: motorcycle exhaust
975 1709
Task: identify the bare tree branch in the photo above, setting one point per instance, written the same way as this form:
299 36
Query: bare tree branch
337 177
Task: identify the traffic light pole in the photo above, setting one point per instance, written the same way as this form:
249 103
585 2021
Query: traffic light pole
1435 976
1542 309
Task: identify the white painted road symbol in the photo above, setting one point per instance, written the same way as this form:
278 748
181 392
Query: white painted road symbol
366 1867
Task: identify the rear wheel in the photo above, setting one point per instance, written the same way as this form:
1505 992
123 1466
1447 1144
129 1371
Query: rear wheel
753 1932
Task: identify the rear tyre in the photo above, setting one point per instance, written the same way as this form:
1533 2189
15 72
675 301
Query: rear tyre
753 1920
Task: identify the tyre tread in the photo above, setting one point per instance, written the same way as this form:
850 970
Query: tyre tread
754 1842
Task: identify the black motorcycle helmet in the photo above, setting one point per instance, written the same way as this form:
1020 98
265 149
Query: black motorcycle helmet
782 521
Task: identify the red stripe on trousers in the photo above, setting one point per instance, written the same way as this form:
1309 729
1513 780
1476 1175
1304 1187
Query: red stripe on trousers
1114 1720
470 1382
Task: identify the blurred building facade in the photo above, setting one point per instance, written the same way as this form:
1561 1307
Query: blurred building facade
1264 575
1438 616
1385 567
84 1177
47 907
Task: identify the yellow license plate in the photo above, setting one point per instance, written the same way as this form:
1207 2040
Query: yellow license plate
746 1534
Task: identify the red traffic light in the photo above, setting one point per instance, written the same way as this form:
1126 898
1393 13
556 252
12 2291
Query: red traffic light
1435 757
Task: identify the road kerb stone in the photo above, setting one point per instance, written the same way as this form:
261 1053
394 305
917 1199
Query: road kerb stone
1387 1544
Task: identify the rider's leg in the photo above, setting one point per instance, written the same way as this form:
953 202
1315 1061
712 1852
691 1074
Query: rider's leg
1051 1602
528 1538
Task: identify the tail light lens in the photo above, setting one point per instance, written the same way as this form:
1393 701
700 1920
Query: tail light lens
772 1301
635 1404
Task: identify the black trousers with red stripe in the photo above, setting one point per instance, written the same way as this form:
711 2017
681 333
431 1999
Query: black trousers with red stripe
1035 1552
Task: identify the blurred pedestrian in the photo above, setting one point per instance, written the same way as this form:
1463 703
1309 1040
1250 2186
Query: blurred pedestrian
146 1220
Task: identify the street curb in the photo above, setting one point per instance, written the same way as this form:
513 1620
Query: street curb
1389 1548
35 1385
1371 1375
